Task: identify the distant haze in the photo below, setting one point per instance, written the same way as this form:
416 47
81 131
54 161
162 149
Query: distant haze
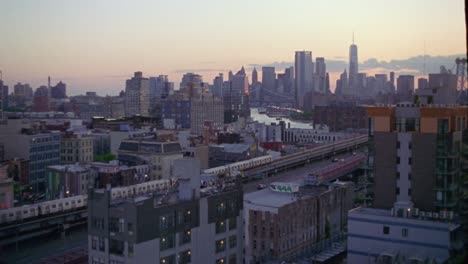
96 45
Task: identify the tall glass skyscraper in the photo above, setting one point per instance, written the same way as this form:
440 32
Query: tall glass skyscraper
304 70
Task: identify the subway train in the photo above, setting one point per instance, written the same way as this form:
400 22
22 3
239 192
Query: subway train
239 166
28 212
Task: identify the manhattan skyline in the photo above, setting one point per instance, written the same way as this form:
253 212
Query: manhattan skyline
97 46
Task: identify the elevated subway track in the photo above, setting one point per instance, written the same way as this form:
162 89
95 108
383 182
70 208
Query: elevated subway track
305 157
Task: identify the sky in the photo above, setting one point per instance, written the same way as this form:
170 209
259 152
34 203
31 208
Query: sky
96 45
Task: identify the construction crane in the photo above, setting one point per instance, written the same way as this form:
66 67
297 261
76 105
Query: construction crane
460 72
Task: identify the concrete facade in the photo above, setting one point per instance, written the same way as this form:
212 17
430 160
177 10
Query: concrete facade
205 108
375 236
417 154
159 155
137 96
188 226
76 148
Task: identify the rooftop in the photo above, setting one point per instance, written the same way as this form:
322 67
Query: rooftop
69 168
233 148
415 220
274 199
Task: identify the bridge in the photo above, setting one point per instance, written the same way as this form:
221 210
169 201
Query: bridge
304 157
337 169
60 222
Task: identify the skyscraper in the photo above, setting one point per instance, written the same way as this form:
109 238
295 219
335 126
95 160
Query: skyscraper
160 87
1 102
254 76
304 70
58 91
268 78
191 84
288 81
3 98
41 100
353 67
320 75
342 85
207 107
405 87
236 97
218 86
422 83
137 99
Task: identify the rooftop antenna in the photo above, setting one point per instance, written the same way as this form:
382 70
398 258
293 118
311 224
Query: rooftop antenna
353 37
424 59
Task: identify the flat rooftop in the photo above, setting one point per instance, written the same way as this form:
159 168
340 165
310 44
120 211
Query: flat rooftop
374 213
274 199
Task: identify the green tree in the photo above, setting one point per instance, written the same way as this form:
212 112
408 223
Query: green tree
105 157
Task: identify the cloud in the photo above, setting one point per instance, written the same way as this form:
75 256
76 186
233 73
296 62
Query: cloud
413 65
195 70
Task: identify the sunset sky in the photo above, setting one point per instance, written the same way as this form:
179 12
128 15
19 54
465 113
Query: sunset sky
96 45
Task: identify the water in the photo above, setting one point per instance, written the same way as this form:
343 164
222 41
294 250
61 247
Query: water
34 250
263 118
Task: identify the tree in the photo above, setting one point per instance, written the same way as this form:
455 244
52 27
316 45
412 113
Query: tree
105 157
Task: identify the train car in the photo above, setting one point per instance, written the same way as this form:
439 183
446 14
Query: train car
19 213
241 165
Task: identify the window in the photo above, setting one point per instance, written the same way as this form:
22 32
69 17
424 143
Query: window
130 227
113 224
220 245
398 144
185 237
221 261
166 222
121 225
102 245
397 192
398 175
130 249
167 242
386 230
409 191
410 145
232 241
232 259
168 260
409 161
220 209
398 160
409 176
404 232
232 223
185 257
220 227
94 242
116 247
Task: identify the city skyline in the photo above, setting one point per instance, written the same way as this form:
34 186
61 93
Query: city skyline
81 50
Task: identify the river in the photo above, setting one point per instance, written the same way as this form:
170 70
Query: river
263 118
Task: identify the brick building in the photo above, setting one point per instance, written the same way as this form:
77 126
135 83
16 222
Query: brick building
340 117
